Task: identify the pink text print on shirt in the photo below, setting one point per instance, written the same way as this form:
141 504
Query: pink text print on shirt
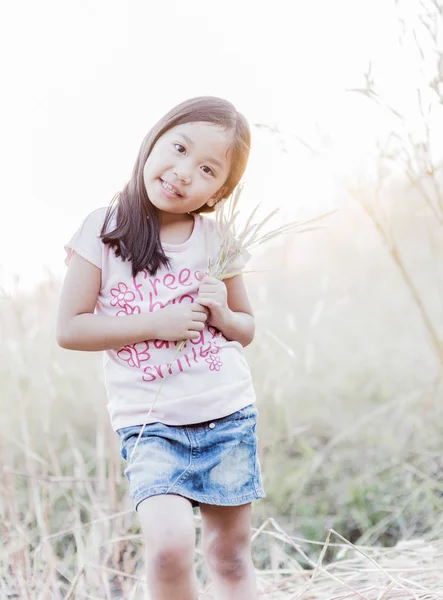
137 355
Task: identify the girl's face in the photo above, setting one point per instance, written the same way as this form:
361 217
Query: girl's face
187 167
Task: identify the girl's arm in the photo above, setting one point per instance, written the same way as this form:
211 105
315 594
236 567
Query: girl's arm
78 328
230 309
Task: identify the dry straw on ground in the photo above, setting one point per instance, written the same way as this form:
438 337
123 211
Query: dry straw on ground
412 569
113 568
66 527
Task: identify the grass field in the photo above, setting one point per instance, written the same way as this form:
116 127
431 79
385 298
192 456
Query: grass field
351 427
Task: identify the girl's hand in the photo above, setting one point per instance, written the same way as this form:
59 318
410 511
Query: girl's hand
179 321
213 294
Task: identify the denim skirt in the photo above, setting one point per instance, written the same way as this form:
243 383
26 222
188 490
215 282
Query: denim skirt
214 462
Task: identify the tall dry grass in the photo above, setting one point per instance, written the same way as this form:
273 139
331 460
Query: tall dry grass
347 367
350 432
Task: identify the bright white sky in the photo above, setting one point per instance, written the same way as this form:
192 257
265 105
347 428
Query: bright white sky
83 82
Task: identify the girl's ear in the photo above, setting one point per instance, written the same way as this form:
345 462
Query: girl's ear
217 196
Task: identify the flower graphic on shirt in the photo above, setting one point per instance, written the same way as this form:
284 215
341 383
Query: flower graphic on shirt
135 354
214 362
121 295
129 310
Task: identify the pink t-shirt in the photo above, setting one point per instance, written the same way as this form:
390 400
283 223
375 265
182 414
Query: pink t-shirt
208 379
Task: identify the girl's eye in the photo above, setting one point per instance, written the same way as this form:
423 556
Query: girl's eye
209 171
181 149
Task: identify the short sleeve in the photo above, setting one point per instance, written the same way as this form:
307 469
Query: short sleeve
86 240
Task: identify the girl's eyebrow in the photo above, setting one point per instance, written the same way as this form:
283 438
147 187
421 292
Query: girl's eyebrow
191 143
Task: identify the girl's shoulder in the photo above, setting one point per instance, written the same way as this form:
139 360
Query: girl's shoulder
222 241
96 218
92 224
86 239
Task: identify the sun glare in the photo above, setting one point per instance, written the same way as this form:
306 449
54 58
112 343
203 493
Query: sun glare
91 104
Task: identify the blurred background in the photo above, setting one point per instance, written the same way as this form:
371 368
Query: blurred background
345 102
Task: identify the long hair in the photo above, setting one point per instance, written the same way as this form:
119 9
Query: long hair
136 236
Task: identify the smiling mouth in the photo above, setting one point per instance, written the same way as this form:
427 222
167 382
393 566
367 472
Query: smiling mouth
170 189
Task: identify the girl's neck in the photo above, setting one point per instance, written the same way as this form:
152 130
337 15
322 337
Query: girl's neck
175 229
166 219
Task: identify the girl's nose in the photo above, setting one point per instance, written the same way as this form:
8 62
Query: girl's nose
183 175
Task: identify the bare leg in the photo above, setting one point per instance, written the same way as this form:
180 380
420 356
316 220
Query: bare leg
169 533
227 550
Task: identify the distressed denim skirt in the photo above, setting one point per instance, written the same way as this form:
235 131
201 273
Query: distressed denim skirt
214 462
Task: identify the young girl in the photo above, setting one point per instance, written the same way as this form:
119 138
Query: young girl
144 259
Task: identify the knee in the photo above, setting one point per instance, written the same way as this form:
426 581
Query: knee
229 560
170 560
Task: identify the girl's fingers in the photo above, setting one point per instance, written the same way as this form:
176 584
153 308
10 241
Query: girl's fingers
195 329
209 303
198 308
200 314
209 297
210 290
199 317
192 334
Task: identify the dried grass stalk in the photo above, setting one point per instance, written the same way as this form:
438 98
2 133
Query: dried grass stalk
233 242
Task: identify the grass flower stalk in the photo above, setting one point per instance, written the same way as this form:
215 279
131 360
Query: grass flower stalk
233 241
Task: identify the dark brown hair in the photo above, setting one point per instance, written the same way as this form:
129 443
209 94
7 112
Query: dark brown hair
136 236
